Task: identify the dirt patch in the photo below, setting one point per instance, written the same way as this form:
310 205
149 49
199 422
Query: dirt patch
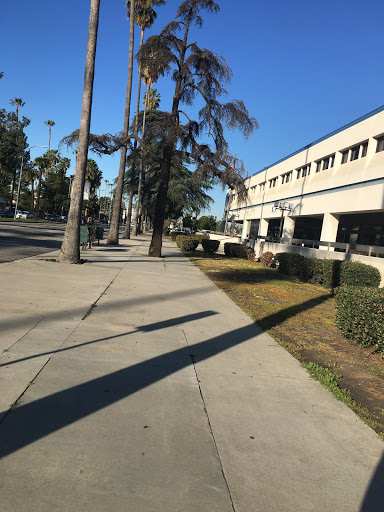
301 317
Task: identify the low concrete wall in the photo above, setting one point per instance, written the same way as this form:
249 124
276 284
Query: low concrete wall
263 246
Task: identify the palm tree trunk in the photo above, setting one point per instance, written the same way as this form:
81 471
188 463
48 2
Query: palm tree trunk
49 141
127 231
113 237
134 229
70 249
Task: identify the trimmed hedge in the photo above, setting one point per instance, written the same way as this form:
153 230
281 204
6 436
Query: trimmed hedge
210 246
239 251
360 315
353 273
175 234
187 244
328 273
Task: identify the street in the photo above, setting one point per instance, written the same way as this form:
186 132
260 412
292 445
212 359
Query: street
24 239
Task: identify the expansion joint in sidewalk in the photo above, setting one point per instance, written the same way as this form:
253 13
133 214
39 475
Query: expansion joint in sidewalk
209 421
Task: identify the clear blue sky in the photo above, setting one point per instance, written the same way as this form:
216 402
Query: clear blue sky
303 68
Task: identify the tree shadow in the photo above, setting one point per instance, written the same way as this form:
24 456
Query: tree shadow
27 423
374 497
144 328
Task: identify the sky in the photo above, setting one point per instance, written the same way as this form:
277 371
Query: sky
303 69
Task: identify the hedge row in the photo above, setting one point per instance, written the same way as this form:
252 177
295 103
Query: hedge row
239 251
360 315
328 273
189 243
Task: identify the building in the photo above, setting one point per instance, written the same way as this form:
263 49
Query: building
330 191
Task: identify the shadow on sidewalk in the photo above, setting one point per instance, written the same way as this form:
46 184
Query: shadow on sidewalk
27 423
144 328
374 497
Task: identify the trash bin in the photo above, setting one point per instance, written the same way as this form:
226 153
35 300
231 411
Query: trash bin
99 234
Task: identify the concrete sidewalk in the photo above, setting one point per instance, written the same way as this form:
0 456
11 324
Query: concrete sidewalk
165 397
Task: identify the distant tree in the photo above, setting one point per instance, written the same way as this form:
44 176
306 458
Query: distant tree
13 147
17 102
219 226
207 222
49 123
70 249
1 74
194 71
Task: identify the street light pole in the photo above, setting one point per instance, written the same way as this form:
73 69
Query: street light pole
21 172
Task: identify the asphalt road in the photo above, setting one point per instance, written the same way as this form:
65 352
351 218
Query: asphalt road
24 239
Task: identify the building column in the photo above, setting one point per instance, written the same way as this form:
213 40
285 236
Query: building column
263 227
245 231
329 228
288 227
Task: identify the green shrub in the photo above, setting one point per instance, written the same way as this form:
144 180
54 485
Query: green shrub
188 244
328 273
360 315
266 259
353 273
210 246
323 272
166 231
292 264
175 234
239 251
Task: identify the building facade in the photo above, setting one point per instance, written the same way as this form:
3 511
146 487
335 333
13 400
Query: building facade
332 190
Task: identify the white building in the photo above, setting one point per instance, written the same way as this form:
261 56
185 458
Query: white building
332 191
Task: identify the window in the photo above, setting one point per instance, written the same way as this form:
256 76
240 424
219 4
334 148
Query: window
318 166
344 156
380 144
304 171
287 177
355 152
332 160
272 182
364 149
262 186
325 163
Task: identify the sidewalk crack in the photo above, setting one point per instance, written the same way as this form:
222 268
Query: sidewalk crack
209 421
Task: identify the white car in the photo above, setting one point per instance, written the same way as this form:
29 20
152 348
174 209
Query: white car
23 215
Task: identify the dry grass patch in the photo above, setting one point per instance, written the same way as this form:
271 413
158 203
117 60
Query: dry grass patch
301 317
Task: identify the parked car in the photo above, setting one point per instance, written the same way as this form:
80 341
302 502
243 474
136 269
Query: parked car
23 215
7 214
50 217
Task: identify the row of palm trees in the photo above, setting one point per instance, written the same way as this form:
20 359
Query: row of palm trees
195 72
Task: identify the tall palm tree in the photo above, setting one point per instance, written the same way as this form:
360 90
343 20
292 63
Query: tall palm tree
145 17
49 123
113 236
44 164
70 249
17 102
30 175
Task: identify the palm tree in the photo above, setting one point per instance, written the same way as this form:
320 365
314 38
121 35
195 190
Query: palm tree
145 17
49 123
70 249
1 74
30 175
44 164
17 102
113 237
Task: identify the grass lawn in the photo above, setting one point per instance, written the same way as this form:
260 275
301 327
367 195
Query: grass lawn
301 317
